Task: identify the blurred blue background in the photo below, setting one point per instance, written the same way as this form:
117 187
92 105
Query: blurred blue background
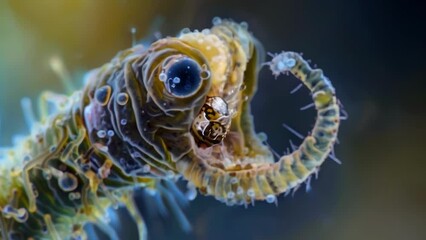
373 52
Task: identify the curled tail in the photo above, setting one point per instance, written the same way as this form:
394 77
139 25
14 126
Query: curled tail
316 147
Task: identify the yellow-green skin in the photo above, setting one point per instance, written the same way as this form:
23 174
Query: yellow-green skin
97 146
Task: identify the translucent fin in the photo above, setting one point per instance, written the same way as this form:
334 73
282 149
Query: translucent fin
134 212
165 199
28 111
51 228
58 67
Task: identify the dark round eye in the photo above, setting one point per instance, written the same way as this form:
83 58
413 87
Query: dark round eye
183 77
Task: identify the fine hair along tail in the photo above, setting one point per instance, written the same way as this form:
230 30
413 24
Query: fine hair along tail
316 147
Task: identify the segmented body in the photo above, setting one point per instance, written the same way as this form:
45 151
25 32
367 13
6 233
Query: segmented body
179 107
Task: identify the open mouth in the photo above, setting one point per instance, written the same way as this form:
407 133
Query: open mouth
224 142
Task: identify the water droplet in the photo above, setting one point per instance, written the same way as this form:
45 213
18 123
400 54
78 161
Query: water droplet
240 190
20 215
101 134
8 209
271 198
234 180
205 74
216 21
52 149
191 194
205 31
67 182
162 77
176 80
230 195
146 168
262 136
244 25
123 121
122 98
251 193
71 196
110 133
185 31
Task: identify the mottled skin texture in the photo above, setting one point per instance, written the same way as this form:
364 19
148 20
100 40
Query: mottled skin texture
126 129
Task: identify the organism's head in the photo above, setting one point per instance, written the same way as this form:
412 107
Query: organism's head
198 89
205 81
214 73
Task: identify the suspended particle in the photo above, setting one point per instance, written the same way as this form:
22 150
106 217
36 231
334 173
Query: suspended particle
216 21
110 133
230 195
205 73
122 98
244 25
146 168
52 149
271 198
162 76
67 182
101 133
251 193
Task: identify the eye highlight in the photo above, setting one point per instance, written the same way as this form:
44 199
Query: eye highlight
182 77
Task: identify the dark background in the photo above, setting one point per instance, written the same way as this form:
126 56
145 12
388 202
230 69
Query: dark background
372 51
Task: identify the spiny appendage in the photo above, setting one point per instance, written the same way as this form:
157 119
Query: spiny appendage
315 148
269 180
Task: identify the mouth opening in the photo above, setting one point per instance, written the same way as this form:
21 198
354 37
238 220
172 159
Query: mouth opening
223 142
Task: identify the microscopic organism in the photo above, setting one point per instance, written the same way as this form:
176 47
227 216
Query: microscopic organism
179 107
